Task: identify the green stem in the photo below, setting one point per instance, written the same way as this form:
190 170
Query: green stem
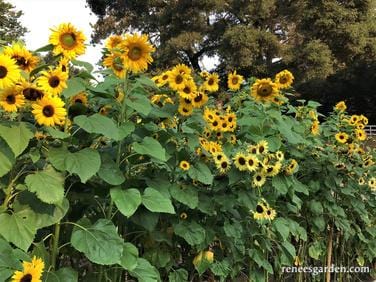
55 246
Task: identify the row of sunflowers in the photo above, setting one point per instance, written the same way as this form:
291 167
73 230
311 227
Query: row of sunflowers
171 176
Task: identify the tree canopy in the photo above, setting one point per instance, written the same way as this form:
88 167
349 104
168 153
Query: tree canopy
324 43
10 27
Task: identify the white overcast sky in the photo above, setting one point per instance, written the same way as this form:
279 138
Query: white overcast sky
40 15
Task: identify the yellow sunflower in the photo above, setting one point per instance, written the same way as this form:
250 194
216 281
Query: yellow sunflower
354 119
252 149
209 115
342 137
259 213
233 139
284 79
279 155
184 165
234 81
361 181
137 52
270 213
53 81
272 170
177 80
363 119
67 40
340 106
315 127
215 125
291 167
264 90
199 99
185 110
223 166
113 41
9 71
211 83
23 57
372 183
259 179
116 62
80 98
214 147
183 69
64 64
30 91
105 110
219 156
360 134
49 111
262 147
240 162
189 88
183 216
11 100
32 271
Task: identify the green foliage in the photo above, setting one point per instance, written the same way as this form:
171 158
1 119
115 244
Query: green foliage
10 26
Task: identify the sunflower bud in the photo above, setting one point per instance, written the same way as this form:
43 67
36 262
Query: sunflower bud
209 256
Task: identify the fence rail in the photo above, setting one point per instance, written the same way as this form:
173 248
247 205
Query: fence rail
371 130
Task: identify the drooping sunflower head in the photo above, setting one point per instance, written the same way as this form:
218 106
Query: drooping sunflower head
9 71
184 165
23 57
11 99
114 41
116 62
264 90
80 98
291 167
315 128
340 106
67 40
30 91
284 79
53 81
211 83
49 111
32 271
137 52
234 81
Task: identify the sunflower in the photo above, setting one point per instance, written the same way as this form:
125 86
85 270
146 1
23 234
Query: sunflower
53 81
30 91
32 271
116 62
64 64
183 69
291 167
137 52
372 183
24 58
230 118
219 156
272 170
207 133
232 139
262 147
259 213
223 166
363 119
211 83
161 80
11 100
177 80
354 119
340 106
240 161
209 115
279 155
183 216
234 81
39 135
219 135
361 181
315 127
214 147
9 71
252 149
342 137
284 79
113 41
215 125
80 98
264 90
200 99
258 180
270 213
360 134
204 74
105 110
119 95
67 40
360 125
184 165
278 99
49 111
185 110
189 89
224 126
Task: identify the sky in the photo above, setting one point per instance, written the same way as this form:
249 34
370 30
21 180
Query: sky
41 15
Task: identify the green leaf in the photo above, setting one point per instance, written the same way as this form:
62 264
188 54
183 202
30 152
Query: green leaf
98 124
147 82
316 207
139 103
17 229
6 158
85 163
17 137
65 274
281 184
46 48
75 85
10 259
110 172
202 173
192 232
185 195
86 65
315 250
129 257
127 201
126 129
179 275
156 202
282 227
48 185
145 272
54 133
100 242
151 147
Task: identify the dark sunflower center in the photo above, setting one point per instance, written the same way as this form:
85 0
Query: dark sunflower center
3 72
179 79
251 162
135 53
63 68
230 119
32 94
185 110
241 161
269 169
258 177
26 278
68 40
269 212
219 157
198 98
10 99
261 149
54 81
283 79
79 101
264 90
235 80
118 64
253 151
224 125
341 137
211 81
21 61
259 209
210 117
48 111
187 101
215 123
164 77
224 164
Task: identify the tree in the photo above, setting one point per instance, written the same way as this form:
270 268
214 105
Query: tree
316 39
10 27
